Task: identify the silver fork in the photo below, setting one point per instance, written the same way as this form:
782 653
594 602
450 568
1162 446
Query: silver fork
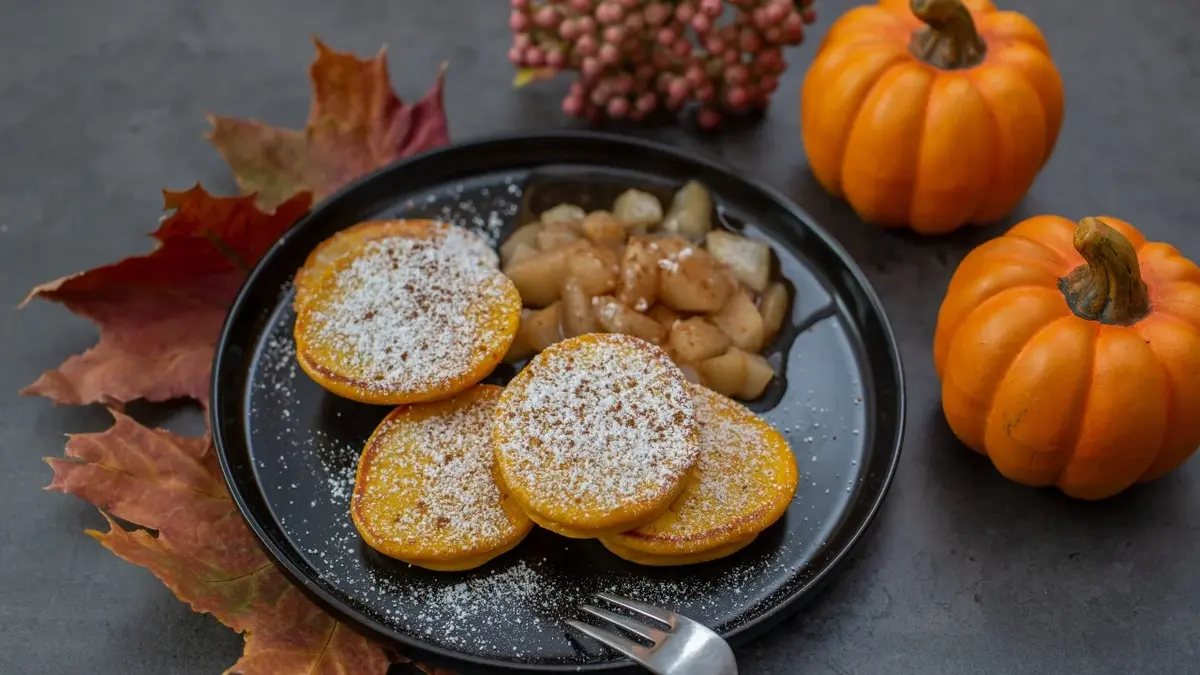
684 648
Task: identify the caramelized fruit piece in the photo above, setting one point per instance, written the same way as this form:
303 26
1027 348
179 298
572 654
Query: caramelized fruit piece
695 339
521 252
613 316
526 235
565 214
691 212
664 315
694 282
539 277
595 267
749 260
637 210
555 235
520 350
576 313
725 374
542 328
773 306
638 287
740 320
759 374
603 229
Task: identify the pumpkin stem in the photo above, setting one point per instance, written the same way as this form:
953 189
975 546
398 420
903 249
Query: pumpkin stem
1109 287
949 39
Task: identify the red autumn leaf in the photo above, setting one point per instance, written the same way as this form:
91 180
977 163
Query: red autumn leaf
160 314
203 551
356 124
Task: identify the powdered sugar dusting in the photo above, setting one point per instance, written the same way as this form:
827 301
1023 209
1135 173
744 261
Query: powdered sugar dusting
429 484
483 205
739 470
408 314
602 420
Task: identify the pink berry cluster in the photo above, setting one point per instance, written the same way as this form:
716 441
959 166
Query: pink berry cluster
636 57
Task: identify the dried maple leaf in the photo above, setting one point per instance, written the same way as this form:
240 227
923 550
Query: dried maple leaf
203 551
356 124
160 314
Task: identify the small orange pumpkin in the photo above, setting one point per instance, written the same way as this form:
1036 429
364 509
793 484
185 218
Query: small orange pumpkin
1070 355
931 113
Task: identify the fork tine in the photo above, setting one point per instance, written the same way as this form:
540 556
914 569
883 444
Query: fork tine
648 611
639 629
620 643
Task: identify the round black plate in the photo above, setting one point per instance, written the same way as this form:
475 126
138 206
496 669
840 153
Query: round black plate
289 449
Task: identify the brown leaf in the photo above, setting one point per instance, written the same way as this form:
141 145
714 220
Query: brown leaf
160 314
356 124
203 551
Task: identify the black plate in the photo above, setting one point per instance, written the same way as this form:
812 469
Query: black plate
289 449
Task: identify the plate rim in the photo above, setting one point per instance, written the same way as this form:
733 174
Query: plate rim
373 629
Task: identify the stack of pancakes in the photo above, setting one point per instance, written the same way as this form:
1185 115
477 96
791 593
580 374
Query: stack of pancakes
600 436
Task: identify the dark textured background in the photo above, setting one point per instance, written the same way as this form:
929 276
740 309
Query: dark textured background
102 104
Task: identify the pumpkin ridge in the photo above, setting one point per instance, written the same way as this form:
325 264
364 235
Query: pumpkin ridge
1053 123
1081 404
1164 308
858 116
1048 147
997 138
1057 255
916 171
1008 367
1153 256
1010 259
1159 287
939 362
995 390
988 28
1168 394
897 59
857 43
1170 449
863 19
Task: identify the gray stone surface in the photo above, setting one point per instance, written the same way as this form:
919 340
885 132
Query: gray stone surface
102 103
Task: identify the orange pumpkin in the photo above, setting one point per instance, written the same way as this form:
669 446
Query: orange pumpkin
1070 355
931 113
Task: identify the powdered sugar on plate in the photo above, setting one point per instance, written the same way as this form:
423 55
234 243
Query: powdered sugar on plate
605 421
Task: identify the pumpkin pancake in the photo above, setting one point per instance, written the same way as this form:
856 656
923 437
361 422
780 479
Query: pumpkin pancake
403 311
595 435
425 492
743 482
341 244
